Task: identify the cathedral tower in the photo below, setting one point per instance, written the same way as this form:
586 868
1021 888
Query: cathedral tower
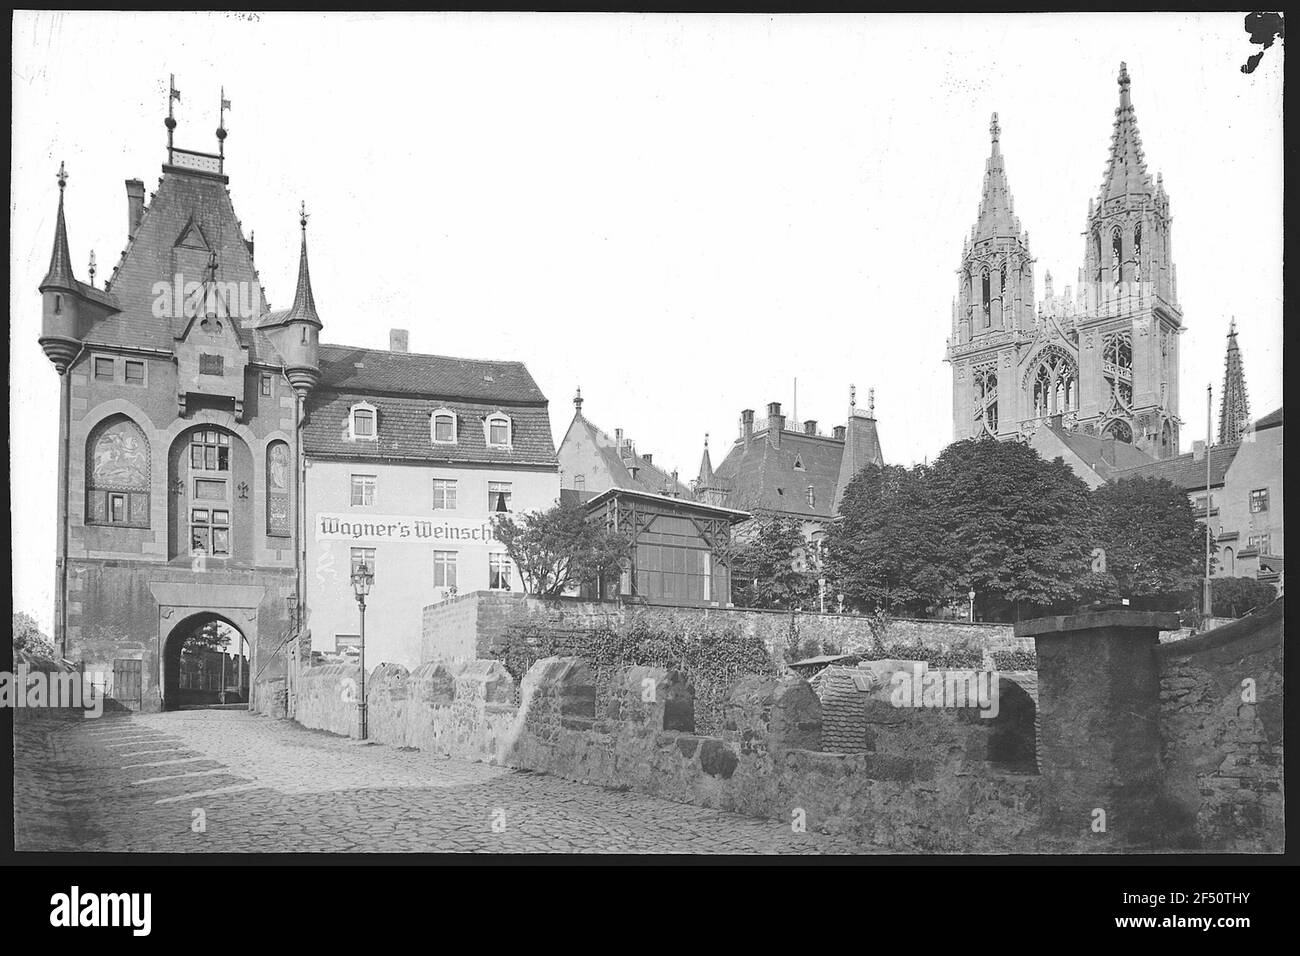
1234 412
993 314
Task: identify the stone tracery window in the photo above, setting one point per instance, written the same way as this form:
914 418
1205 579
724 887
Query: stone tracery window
1116 255
985 292
1117 366
117 474
1137 253
1055 383
986 401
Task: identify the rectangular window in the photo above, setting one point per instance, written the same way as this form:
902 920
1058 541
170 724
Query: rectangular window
210 531
444 428
1258 500
498 432
212 364
363 490
266 384
134 373
444 569
117 509
499 572
1260 543
210 451
104 370
444 494
363 423
499 495
363 554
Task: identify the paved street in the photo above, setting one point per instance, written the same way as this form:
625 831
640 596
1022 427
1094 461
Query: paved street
135 782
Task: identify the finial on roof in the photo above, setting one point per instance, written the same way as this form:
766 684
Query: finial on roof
871 393
304 303
63 178
173 96
60 272
1232 327
221 124
995 131
853 398
577 400
706 439
92 268
303 215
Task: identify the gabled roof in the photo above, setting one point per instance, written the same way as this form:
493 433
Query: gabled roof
762 477
650 478
1185 471
184 201
1105 456
357 370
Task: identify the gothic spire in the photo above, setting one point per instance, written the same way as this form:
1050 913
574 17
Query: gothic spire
60 271
304 303
1234 412
705 479
1126 169
996 216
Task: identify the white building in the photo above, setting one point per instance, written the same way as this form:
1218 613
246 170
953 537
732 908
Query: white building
407 457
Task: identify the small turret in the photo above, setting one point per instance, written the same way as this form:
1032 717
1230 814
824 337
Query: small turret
60 296
301 343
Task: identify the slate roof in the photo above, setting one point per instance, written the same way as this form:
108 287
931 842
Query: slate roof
1271 420
1184 470
762 477
1106 456
430 376
403 429
185 203
650 478
843 694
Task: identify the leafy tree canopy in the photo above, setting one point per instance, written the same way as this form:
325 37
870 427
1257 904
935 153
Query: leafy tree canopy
559 548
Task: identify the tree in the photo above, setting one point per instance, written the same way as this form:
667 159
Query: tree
1019 528
1234 597
29 638
559 548
773 566
889 551
1152 546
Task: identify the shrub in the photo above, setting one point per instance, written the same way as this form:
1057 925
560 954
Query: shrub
1017 660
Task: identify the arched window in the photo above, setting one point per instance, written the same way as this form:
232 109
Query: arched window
985 292
1120 430
497 430
117 474
277 489
1096 253
986 402
812 496
1229 563
579 482
1116 255
1002 287
1166 440
363 422
442 427
1137 253
1042 389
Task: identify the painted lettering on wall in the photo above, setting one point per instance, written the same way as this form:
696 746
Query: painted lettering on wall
343 527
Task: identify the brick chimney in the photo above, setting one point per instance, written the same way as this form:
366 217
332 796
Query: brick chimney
810 427
775 423
134 206
747 425
647 458
838 432
398 340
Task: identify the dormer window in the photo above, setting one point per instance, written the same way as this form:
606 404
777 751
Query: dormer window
498 429
362 422
442 427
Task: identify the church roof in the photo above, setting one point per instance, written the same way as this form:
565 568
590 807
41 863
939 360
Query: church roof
1271 420
1106 456
1186 471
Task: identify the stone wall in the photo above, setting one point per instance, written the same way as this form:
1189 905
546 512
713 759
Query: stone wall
476 625
1221 722
327 698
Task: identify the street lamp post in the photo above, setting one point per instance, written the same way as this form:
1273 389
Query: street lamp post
971 597
362 580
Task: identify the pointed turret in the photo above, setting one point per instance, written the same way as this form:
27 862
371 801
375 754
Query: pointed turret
861 444
1234 412
59 275
705 477
302 324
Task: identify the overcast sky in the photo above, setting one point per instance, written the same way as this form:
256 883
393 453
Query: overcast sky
680 214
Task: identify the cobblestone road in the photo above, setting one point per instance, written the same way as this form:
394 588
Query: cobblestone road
133 783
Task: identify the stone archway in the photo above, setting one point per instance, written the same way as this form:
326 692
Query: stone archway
182 607
172 694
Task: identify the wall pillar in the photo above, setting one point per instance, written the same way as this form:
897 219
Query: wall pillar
1098 699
